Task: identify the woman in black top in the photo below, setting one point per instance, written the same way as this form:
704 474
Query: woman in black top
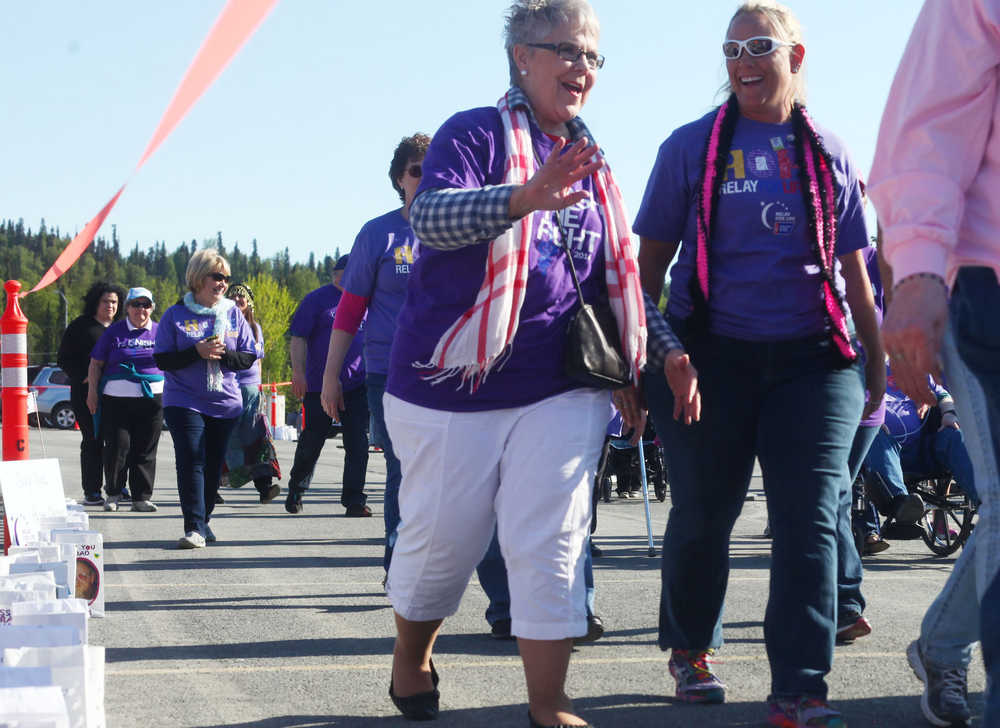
101 307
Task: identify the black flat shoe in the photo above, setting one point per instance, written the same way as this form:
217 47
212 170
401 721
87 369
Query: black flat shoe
532 723
422 706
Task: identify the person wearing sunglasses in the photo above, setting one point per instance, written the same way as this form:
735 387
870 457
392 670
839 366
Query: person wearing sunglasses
767 296
374 286
201 342
491 430
127 402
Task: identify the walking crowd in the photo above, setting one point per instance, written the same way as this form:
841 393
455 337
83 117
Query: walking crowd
476 335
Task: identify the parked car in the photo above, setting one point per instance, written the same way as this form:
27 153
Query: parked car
51 387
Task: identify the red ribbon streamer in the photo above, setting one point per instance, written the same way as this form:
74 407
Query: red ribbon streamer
234 26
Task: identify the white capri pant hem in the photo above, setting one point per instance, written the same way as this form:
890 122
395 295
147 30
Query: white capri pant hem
529 472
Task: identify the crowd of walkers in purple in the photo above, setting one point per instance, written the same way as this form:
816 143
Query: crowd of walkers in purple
442 340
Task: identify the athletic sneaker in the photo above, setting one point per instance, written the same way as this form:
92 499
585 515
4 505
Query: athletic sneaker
93 499
860 627
946 690
191 540
111 503
126 495
144 506
803 713
696 683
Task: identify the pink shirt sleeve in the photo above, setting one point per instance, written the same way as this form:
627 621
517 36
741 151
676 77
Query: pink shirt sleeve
933 139
350 312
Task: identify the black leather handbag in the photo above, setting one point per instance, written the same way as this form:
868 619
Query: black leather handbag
593 348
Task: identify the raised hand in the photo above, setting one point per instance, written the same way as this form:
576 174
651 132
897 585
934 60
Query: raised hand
549 187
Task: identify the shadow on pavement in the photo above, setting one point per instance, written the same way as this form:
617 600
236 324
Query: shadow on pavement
625 711
253 602
479 645
223 563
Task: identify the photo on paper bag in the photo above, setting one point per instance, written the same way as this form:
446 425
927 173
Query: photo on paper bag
88 580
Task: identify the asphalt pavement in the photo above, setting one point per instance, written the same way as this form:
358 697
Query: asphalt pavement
284 623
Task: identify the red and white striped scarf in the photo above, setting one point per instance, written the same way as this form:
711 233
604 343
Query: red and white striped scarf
480 340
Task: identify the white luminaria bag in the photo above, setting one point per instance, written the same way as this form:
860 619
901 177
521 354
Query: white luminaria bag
61 612
64 573
78 671
36 635
24 677
33 707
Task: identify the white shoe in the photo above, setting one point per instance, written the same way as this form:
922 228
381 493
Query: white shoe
144 506
191 540
111 503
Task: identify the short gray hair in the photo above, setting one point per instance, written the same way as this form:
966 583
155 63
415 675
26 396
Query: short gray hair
529 21
205 261
787 27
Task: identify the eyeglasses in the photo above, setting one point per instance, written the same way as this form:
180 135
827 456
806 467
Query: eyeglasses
760 45
140 304
415 170
571 53
219 277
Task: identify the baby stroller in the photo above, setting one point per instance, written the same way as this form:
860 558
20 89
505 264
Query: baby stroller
634 468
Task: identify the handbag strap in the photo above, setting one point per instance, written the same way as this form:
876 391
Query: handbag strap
569 257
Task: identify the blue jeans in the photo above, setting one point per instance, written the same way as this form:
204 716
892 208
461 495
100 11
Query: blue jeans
492 573
796 407
200 444
968 608
850 600
353 433
393 474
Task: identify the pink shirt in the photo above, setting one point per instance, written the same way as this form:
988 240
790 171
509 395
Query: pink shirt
936 174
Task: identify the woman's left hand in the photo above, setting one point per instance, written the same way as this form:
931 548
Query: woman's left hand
628 403
874 383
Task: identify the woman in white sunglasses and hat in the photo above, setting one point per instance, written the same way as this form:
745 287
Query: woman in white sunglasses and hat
767 296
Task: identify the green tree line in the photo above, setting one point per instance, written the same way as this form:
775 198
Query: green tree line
278 283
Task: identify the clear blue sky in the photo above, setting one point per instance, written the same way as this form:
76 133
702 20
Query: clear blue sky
292 143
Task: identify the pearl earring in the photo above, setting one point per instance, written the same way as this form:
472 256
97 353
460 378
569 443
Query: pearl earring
524 72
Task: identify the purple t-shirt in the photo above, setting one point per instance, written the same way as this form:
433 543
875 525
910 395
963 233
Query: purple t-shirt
378 269
313 321
120 344
764 280
179 329
251 377
902 417
469 152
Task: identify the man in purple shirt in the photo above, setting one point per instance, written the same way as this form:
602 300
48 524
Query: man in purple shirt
310 330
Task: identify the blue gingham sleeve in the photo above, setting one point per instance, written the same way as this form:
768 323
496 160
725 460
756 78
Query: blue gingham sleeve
660 338
450 218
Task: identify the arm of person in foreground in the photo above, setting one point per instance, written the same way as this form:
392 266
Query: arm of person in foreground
94 373
862 303
346 321
931 143
450 218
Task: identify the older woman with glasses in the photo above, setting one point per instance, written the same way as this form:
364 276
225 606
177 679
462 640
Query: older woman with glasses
766 296
490 428
201 343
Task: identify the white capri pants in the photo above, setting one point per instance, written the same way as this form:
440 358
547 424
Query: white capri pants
528 470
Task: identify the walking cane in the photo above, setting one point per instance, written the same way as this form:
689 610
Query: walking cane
645 497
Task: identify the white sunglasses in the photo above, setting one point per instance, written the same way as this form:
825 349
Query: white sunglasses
760 45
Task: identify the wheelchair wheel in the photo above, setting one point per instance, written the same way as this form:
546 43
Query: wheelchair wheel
656 473
947 520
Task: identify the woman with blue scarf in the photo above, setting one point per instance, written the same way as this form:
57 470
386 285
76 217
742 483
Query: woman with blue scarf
128 401
201 342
